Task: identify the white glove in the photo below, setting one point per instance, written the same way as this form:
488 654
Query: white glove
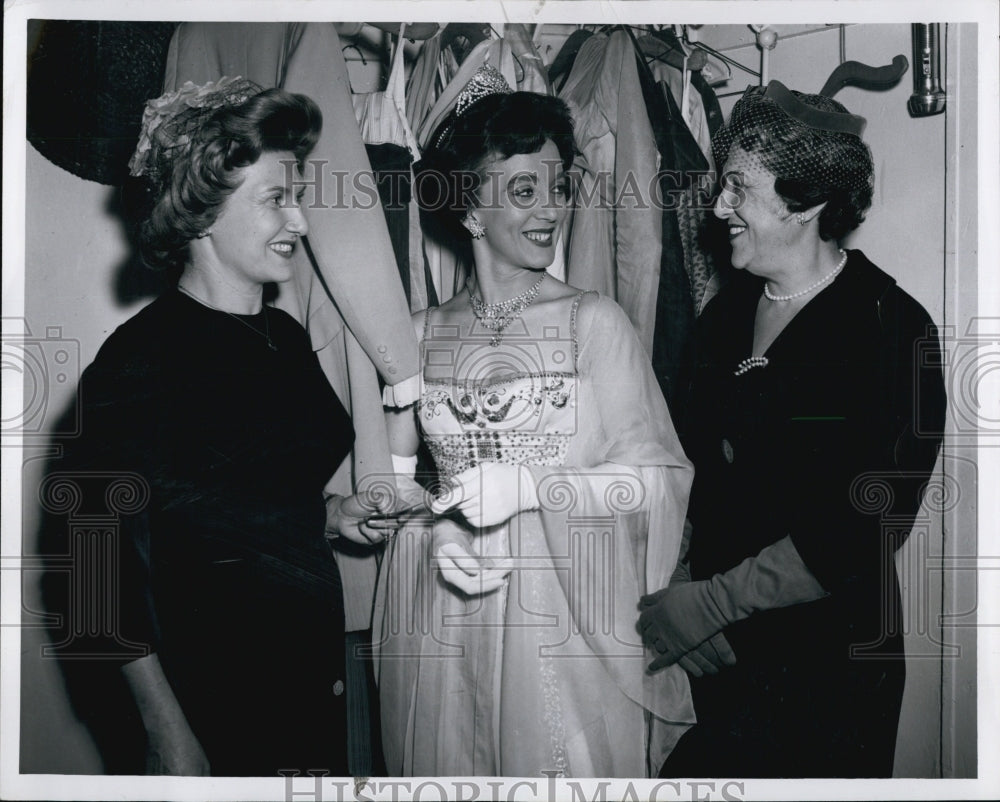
475 576
404 466
489 494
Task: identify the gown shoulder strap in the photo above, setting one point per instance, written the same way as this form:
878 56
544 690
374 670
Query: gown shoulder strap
572 328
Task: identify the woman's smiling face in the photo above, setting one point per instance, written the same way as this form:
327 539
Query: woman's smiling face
761 227
523 205
257 232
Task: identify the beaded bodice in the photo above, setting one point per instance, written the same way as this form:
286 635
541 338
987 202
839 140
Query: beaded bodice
500 407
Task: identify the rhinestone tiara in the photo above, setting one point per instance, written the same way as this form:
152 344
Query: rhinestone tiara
487 81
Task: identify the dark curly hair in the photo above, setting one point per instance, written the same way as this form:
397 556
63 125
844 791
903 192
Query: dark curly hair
448 177
194 182
811 165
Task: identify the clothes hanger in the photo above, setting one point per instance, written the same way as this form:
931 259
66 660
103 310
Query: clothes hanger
414 30
713 71
663 45
724 59
680 33
352 46
498 34
473 32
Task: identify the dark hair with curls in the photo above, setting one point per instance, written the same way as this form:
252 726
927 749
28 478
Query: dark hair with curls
194 182
448 177
811 165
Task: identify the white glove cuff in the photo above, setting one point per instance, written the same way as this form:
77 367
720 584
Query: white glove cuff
405 466
527 489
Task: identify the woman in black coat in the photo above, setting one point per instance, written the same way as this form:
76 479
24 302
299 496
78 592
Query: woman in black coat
814 422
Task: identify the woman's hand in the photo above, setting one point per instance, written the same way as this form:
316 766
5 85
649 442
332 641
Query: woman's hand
677 620
172 748
411 498
709 657
489 494
350 517
467 572
171 745
459 567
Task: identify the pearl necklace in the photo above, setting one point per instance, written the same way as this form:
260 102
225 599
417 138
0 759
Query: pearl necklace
815 286
266 334
498 316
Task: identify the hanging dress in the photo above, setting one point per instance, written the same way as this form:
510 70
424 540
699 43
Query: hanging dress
614 244
392 148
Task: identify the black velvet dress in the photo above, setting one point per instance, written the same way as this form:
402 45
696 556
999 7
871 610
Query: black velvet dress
832 443
225 571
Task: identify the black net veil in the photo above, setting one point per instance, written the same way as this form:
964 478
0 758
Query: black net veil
809 139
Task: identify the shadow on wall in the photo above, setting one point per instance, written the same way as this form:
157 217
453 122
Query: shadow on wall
134 280
77 553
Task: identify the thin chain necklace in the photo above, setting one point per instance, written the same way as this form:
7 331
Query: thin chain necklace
266 334
811 287
498 316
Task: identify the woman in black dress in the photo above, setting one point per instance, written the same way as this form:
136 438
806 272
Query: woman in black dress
215 407
814 424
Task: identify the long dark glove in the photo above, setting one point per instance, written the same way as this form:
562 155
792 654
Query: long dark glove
713 655
678 619
709 657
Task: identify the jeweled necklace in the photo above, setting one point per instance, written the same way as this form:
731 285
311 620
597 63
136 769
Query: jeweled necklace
266 334
815 286
498 316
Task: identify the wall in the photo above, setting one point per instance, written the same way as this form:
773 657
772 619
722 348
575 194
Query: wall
81 276
80 279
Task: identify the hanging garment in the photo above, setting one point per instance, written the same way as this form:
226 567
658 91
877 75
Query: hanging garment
382 115
693 190
614 244
709 102
391 148
531 74
682 166
424 84
562 64
689 102
354 310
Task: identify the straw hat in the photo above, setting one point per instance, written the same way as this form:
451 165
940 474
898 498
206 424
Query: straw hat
87 84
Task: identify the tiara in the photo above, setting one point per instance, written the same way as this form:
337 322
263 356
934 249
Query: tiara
487 81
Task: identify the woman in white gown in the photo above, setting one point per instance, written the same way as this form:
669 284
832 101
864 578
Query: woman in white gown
505 623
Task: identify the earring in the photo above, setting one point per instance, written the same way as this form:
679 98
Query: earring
206 233
800 218
476 228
